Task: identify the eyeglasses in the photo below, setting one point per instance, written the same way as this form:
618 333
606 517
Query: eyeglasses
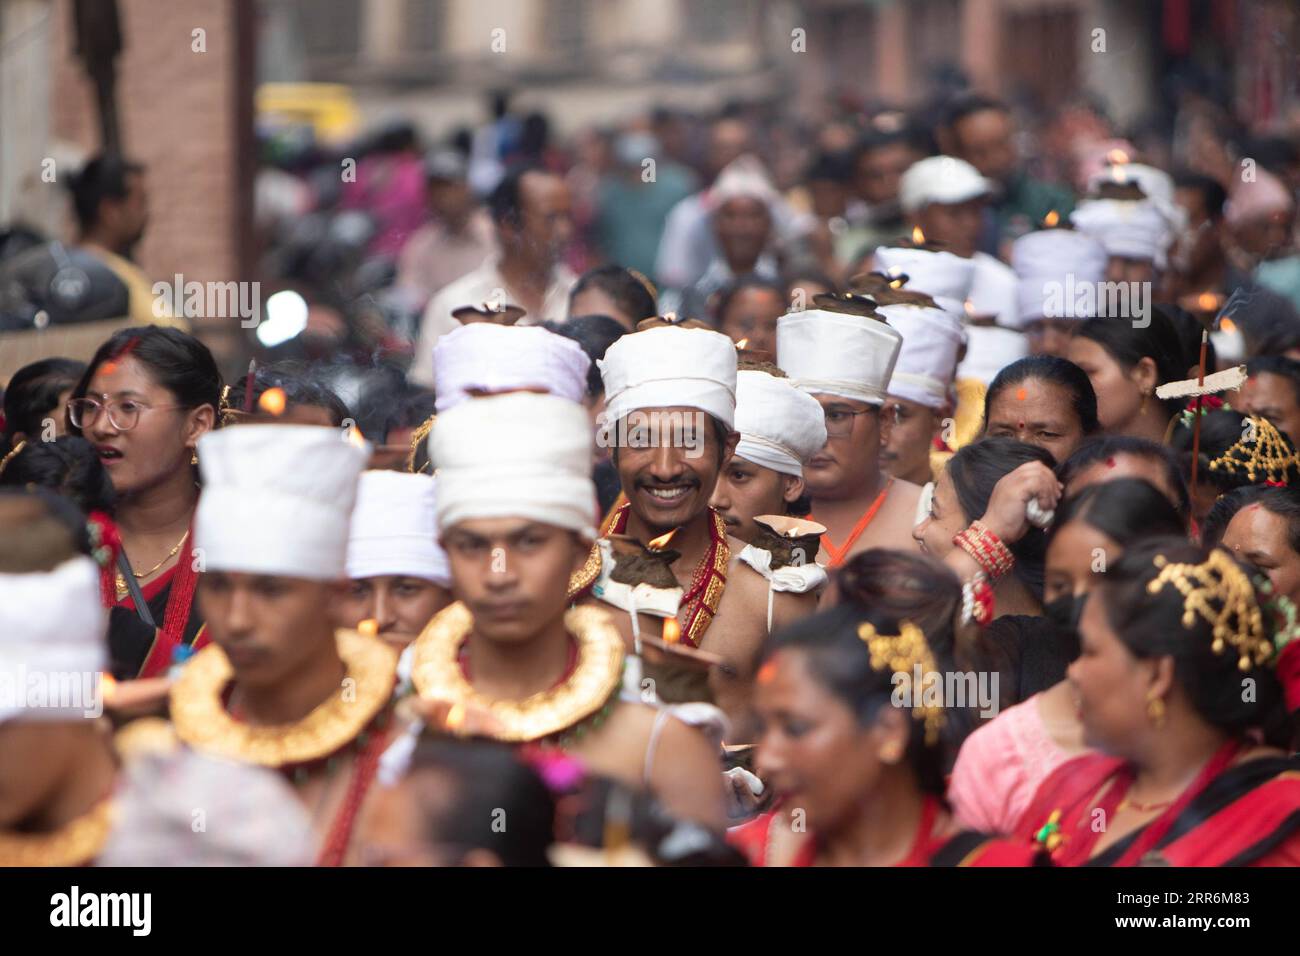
839 421
124 415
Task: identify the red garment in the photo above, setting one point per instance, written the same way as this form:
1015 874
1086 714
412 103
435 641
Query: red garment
176 617
751 839
1233 814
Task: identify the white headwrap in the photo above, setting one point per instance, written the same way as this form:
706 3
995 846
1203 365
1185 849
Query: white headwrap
1051 262
744 177
277 499
830 353
670 366
993 291
519 455
942 276
499 358
989 350
946 180
1134 229
395 529
932 339
780 427
52 643
1156 185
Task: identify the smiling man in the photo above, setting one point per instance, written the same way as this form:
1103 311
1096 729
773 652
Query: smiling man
670 410
280 687
398 577
845 362
780 428
515 508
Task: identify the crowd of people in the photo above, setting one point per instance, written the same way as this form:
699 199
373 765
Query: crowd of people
897 500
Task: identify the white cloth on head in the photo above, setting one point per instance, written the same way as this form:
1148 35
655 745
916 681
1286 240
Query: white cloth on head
831 353
940 179
394 529
1132 229
1265 196
993 291
277 499
1049 264
990 349
52 627
1156 185
743 178
780 427
484 357
669 367
944 277
519 455
927 362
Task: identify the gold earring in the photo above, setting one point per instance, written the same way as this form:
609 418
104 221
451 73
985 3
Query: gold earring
1156 711
194 458
892 753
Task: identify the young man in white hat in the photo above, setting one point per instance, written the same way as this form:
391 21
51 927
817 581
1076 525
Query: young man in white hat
58 771
511 660
670 418
780 428
921 392
397 573
945 198
1058 273
845 361
280 686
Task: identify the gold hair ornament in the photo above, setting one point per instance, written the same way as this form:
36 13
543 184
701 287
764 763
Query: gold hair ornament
902 653
418 436
13 452
1264 452
1222 595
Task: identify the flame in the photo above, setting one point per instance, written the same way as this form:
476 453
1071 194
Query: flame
1117 157
896 283
455 718
1051 219
918 236
1120 175
273 401
1208 301
743 343
970 307
1227 325
355 436
659 543
672 631
108 687
368 627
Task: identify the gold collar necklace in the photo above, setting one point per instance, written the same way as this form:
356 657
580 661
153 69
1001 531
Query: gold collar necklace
202 721
76 843
437 675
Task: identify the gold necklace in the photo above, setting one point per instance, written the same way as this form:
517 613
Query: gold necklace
202 721
437 675
76 843
120 581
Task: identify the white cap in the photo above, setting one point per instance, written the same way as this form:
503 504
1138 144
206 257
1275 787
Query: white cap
991 349
670 366
831 353
780 427
52 623
993 291
944 277
743 178
940 179
277 499
520 455
1156 185
485 357
932 339
395 529
1134 229
1051 262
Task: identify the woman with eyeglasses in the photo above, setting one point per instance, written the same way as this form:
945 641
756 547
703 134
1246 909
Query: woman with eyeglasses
147 397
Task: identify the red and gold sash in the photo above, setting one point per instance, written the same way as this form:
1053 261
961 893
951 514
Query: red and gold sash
701 600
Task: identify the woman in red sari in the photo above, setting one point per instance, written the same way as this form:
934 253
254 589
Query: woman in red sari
856 768
147 397
1178 686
